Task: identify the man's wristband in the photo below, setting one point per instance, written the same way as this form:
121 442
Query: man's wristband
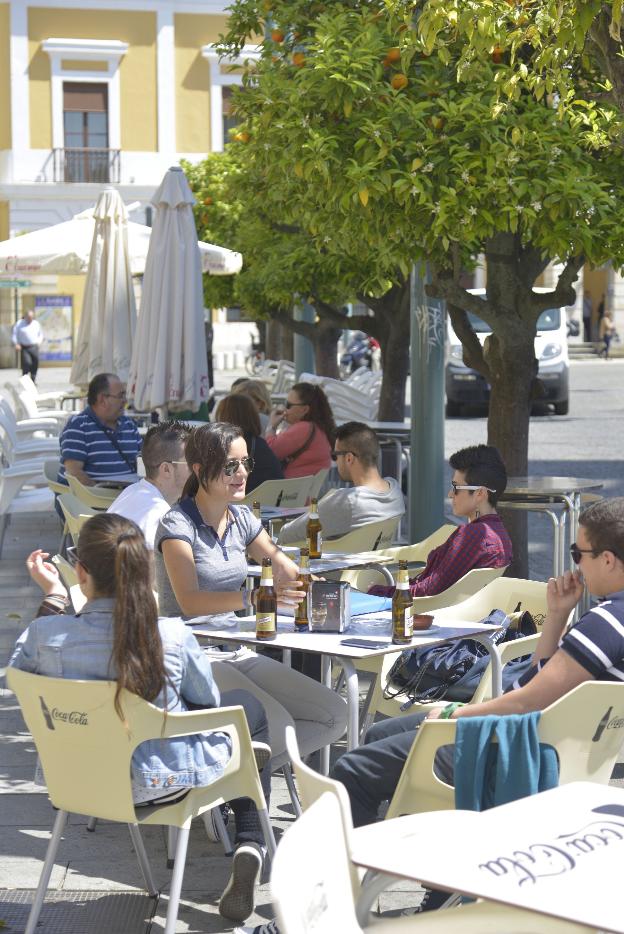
449 710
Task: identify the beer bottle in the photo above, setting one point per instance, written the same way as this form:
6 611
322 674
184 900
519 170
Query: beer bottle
266 604
402 608
302 609
314 531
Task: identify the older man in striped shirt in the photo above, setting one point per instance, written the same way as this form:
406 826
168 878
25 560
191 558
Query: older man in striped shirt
100 443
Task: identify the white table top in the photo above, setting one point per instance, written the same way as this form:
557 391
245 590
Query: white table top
558 853
330 643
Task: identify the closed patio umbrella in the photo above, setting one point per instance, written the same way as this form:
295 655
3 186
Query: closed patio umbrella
108 319
169 365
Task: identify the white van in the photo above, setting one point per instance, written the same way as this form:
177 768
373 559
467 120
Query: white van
465 386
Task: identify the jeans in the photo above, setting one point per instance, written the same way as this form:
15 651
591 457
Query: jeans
30 360
371 772
248 827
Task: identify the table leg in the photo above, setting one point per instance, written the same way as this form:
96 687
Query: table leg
353 701
326 679
373 884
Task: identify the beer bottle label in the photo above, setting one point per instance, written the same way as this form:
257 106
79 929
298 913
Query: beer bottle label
408 624
265 622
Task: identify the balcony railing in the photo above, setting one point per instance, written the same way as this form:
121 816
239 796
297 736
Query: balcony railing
87 165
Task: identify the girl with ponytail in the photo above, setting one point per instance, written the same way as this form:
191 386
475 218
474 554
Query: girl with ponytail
304 444
118 636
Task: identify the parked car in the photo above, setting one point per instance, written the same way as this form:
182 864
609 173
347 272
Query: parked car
464 386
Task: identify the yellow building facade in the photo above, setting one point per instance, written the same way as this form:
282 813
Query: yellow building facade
101 92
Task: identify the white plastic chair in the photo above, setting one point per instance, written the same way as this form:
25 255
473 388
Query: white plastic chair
310 887
76 514
293 492
68 751
14 500
99 498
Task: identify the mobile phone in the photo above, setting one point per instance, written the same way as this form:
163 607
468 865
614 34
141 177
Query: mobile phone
363 644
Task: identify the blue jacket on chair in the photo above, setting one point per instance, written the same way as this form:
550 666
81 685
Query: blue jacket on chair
489 773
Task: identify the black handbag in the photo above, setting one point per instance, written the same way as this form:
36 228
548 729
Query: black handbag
452 671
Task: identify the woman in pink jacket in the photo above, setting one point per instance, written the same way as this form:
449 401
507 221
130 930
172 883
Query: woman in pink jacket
304 446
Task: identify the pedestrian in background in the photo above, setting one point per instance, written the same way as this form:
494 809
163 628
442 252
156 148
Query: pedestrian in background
27 336
587 317
606 333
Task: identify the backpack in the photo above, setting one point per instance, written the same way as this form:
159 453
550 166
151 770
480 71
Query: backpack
452 671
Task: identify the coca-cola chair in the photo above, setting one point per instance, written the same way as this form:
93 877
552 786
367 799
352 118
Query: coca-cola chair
74 724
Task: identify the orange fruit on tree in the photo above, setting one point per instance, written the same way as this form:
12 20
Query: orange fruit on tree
399 82
497 54
277 35
298 59
393 55
242 137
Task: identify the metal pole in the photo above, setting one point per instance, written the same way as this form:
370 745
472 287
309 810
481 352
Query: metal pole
303 348
426 477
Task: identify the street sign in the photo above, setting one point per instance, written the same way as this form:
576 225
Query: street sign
15 283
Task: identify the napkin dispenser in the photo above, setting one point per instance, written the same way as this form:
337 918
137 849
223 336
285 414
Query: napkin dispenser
330 606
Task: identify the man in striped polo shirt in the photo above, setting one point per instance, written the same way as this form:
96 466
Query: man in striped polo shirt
100 443
593 649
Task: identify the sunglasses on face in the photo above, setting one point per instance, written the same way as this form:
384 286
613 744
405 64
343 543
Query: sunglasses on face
468 486
577 553
232 466
290 405
72 557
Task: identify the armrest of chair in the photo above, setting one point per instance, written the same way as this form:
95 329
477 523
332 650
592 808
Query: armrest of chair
185 723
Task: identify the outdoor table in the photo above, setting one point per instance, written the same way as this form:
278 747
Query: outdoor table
331 645
539 494
557 853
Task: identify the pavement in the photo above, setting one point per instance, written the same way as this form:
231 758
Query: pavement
96 886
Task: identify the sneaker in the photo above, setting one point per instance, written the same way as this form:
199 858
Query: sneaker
210 824
262 753
269 928
238 899
435 898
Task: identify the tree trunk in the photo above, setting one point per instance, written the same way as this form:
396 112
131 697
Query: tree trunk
287 347
511 360
395 343
273 347
326 351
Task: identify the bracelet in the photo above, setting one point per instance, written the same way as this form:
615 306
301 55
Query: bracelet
449 710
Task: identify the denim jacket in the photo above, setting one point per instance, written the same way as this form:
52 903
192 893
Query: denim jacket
80 646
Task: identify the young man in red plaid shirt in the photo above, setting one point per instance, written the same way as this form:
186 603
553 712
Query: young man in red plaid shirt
479 478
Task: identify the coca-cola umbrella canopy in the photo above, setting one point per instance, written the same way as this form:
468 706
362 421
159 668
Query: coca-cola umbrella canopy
169 365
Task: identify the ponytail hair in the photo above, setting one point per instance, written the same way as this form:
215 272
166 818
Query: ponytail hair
208 446
113 551
319 409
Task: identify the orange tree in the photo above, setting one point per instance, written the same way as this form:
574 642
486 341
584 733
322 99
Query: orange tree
284 263
544 46
370 142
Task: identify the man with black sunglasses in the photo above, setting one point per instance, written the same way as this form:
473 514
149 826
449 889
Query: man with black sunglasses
370 498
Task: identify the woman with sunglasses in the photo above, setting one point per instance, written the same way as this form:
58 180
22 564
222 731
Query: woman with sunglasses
304 446
118 635
479 478
201 568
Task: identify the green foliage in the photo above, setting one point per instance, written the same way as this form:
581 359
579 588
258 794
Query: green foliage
432 170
